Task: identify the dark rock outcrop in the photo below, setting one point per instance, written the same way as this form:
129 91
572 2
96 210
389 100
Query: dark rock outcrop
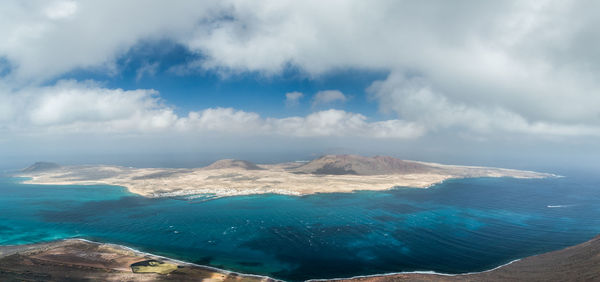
359 165
230 163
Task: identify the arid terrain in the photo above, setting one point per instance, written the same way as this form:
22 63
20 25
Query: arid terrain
330 173
78 260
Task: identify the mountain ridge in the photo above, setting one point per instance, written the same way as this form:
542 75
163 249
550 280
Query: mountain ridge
233 163
41 166
360 165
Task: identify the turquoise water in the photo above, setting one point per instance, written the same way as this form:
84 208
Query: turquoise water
458 226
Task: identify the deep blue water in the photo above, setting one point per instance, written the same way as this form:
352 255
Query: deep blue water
458 226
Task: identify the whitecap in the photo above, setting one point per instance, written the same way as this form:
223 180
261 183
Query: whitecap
558 206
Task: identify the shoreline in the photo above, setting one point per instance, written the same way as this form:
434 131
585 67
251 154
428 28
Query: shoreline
216 193
192 195
225 271
328 174
172 259
428 274
225 192
41 246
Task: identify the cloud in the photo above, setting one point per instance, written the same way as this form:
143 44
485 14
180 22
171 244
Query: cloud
61 9
44 39
148 69
75 108
267 36
68 103
71 107
328 123
482 66
327 97
513 58
293 98
414 99
343 124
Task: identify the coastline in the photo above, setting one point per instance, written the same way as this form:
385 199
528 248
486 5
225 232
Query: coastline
172 259
324 184
547 261
30 247
213 194
328 174
403 181
426 272
11 250
299 186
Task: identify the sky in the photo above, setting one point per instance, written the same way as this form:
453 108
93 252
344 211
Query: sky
183 83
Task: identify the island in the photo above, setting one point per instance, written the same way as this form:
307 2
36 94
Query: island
78 259
327 174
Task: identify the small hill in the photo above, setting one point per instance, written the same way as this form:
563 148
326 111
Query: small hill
230 163
359 165
41 166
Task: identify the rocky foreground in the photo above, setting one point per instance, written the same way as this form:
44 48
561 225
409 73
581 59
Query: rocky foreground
331 173
77 260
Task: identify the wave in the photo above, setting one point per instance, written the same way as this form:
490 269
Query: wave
559 206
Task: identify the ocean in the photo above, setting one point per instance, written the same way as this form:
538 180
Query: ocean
461 225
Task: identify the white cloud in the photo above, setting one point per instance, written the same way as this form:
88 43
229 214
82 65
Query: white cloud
70 107
223 120
293 98
524 58
44 39
327 97
87 108
61 9
70 102
488 66
415 100
343 124
328 123
147 69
